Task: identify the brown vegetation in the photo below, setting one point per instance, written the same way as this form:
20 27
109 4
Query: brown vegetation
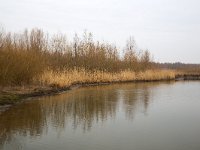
32 57
70 77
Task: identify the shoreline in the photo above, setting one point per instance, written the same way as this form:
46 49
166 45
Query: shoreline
10 98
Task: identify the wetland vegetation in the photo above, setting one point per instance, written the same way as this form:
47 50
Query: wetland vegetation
33 61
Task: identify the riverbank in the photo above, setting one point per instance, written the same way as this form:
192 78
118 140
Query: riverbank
51 82
187 77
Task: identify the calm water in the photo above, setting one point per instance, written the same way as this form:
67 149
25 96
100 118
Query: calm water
142 116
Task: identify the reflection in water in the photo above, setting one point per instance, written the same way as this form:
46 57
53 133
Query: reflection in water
136 99
80 109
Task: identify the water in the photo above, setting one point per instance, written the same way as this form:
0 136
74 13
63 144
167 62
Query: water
141 116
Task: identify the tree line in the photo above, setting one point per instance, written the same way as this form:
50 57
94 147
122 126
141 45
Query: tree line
29 53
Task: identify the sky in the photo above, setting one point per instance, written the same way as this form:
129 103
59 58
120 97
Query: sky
169 29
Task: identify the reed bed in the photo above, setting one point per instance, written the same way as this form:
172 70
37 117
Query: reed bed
154 75
81 76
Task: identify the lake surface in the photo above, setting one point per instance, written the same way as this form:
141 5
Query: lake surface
134 116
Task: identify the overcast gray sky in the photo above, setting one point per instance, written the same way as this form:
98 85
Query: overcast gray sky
170 29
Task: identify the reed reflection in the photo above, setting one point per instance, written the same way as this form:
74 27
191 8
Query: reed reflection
136 98
81 108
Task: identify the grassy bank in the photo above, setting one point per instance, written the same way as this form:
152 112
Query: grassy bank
8 98
51 82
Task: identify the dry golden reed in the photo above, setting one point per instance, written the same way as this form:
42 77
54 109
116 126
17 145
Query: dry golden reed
70 77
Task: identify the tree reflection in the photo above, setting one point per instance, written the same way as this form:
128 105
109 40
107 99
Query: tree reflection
136 98
80 108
